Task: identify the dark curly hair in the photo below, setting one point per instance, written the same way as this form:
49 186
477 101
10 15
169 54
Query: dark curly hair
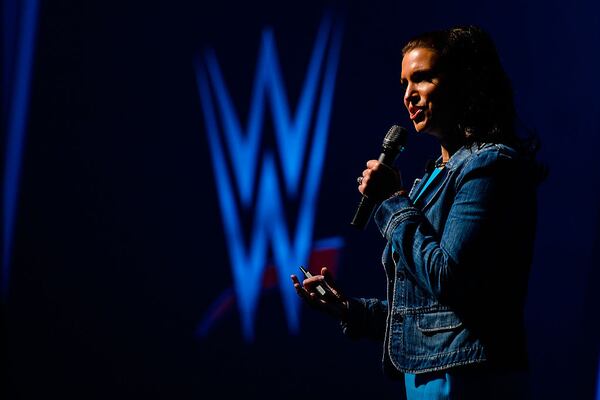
468 57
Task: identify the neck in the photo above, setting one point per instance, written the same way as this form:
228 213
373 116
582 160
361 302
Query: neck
449 147
449 144
445 154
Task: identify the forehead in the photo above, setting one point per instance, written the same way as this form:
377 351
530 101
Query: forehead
417 59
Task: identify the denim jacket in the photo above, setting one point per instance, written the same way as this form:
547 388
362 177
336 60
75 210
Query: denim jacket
457 267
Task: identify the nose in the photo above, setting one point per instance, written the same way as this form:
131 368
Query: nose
410 95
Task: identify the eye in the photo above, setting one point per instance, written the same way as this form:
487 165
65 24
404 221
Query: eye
422 76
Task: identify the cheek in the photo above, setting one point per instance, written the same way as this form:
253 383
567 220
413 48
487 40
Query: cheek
433 99
431 104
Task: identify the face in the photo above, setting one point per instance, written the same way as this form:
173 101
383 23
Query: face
425 97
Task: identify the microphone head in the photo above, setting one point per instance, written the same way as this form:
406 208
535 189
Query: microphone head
396 138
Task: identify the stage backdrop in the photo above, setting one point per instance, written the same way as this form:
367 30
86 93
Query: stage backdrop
167 165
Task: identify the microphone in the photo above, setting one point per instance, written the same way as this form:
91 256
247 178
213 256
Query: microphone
393 144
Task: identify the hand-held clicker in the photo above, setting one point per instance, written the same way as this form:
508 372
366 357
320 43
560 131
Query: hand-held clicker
318 287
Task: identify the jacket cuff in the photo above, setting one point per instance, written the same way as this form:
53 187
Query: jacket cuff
352 324
392 212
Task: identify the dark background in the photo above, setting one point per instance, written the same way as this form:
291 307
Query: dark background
119 248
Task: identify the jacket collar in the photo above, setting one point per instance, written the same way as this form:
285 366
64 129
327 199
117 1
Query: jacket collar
462 154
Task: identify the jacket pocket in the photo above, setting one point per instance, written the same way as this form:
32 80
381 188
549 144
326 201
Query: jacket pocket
441 321
430 336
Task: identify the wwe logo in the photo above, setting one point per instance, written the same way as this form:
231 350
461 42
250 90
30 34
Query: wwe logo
241 147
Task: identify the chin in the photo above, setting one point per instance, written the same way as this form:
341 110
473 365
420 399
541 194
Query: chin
420 126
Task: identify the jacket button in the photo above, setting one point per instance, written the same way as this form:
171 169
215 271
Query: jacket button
401 275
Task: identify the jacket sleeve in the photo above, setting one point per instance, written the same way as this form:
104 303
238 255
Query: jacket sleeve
366 319
439 262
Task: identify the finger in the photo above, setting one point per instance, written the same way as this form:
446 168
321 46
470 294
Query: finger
312 281
327 277
302 292
296 282
329 281
372 164
315 285
331 308
294 278
363 185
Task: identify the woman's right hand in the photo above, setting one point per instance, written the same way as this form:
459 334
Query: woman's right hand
333 302
379 181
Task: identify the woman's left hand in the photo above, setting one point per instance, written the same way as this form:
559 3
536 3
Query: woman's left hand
333 302
379 181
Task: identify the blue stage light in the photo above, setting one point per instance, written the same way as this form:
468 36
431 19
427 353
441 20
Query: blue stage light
17 80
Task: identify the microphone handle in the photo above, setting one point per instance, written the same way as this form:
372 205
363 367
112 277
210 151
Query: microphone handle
365 208
363 213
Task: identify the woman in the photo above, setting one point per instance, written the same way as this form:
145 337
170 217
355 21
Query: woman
459 244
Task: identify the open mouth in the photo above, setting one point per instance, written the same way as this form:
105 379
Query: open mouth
416 115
